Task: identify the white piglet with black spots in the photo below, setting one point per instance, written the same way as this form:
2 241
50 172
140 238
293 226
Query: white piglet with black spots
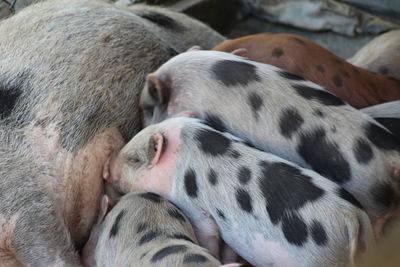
286 115
270 211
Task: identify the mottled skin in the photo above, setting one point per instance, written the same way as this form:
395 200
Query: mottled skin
358 87
71 73
281 113
297 219
381 55
137 228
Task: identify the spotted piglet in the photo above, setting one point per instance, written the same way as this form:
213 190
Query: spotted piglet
270 211
143 229
286 115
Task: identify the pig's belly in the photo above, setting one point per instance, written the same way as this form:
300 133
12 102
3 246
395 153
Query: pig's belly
78 182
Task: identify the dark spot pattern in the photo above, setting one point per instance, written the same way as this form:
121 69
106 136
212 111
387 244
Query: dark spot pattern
294 229
289 76
298 40
319 113
141 227
151 196
255 101
323 155
221 214
183 237
322 96
148 237
285 189
344 194
277 52
290 122
383 194
115 226
161 20
362 151
214 122
235 154
244 175
9 95
320 68
383 70
337 80
212 177
244 200
344 73
318 233
194 258
174 213
170 250
381 138
392 124
191 183
212 142
233 73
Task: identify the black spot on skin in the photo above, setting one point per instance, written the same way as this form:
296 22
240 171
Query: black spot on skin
151 196
244 175
194 258
161 20
319 113
221 214
212 177
277 52
344 73
115 227
290 76
320 68
324 156
255 101
344 194
362 151
337 80
392 124
322 96
290 122
233 73
164 252
382 138
235 154
174 213
215 122
318 233
383 70
141 227
212 142
298 40
9 95
286 189
148 237
294 230
244 200
182 236
383 194
191 183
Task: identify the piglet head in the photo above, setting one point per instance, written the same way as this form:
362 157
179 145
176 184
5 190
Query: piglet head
125 169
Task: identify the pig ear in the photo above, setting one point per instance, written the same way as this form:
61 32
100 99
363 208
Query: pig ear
194 48
240 52
159 88
156 148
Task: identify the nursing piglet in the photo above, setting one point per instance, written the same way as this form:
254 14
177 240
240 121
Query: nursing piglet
270 211
286 115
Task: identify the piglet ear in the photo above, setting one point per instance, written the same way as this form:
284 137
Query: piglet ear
158 88
240 52
156 148
194 48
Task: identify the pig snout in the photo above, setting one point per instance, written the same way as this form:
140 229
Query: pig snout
111 172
